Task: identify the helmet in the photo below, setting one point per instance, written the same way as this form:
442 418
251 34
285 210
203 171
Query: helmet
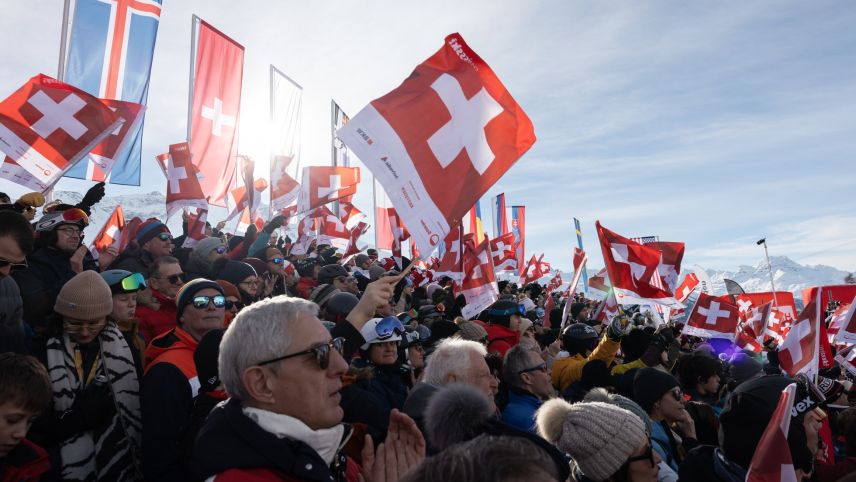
121 281
51 221
578 338
381 330
502 311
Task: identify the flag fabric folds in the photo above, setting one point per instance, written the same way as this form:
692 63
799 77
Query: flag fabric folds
48 126
322 184
215 111
502 250
111 48
470 132
500 216
479 284
286 110
110 234
800 352
195 227
712 318
772 460
579 232
686 288
182 189
518 227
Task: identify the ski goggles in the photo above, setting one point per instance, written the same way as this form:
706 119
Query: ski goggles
74 215
128 283
202 302
387 327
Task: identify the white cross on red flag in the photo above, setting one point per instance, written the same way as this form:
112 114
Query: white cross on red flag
502 250
772 459
111 233
451 264
534 270
103 157
847 325
598 281
215 111
687 286
450 127
712 318
479 284
322 184
352 249
182 189
670 265
195 227
555 282
805 349
633 270
47 126
238 200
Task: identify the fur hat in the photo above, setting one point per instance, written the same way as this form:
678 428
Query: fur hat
85 297
599 436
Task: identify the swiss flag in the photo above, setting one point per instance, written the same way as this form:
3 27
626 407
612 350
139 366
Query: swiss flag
351 216
111 232
772 459
215 112
355 233
534 270
332 230
47 126
687 286
633 270
712 318
598 281
847 325
757 318
783 301
451 264
549 305
503 252
238 200
10 170
554 282
195 227
670 267
284 189
479 284
607 309
746 339
800 351
322 184
182 188
450 127
103 157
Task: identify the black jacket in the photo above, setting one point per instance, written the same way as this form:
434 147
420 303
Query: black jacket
706 463
231 440
135 261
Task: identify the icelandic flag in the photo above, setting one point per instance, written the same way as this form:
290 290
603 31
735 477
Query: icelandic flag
110 54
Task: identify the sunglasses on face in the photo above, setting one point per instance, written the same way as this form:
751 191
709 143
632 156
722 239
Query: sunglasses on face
234 304
277 260
14 264
647 455
70 231
175 279
321 352
202 302
165 237
220 250
539 368
677 395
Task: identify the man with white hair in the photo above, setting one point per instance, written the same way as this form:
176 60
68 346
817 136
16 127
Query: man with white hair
283 421
455 360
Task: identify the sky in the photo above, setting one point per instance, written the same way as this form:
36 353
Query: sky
711 123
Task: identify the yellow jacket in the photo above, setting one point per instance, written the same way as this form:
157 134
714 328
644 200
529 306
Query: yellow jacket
626 367
570 369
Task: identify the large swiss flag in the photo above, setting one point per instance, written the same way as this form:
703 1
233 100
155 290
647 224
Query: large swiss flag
450 127
182 187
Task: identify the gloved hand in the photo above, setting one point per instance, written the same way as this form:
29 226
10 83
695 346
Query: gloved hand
615 330
92 196
274 224
32 199
252 230
94 405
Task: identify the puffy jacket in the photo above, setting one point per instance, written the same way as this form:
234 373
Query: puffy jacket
520 410
134 260
157 314
232 447
25 463
500 339
570 369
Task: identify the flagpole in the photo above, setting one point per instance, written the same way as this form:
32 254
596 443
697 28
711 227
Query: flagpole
63 41
271 162
194 21
770 269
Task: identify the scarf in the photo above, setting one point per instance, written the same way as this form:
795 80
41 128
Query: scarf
109 452
326 442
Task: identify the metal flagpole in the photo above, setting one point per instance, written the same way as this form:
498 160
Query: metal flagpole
60 75
271 158
770 269
194 21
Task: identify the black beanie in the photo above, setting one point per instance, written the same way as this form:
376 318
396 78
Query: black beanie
576 308
236 271
205 359
650 385
188 291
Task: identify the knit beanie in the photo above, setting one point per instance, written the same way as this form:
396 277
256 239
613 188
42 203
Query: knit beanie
236 271
744 367
375 272
599 436
149 229
203 248
229 289
576 308
322 293
257 264
205 359
188 291
472 331
85 297
650 385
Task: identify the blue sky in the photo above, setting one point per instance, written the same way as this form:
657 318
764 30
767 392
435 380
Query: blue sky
709 123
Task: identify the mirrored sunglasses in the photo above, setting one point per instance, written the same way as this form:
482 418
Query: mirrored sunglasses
165 236
203 301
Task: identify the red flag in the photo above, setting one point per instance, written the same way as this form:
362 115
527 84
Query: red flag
195 228
322 184
352 249
215 112
129 232
847 359
782 301
503 253
451 264
183 189
111 232
549 306
555 282
608 309
712 318
687 286
534 270
47 126
580 260
633 270
598 281
847 326
479 285
284 190
470 131
799 352
351 216
670 266
747 341
332 231
238 200
772 459
103 157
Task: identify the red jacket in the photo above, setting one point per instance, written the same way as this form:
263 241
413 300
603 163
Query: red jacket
157 315
304 286
25 463
269 475
500 339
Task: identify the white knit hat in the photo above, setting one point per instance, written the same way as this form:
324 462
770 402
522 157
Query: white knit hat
599 436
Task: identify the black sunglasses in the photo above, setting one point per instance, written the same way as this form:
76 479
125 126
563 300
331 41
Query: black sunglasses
5 262
165 237
321 352
175 279
234 304
542 367
648 455
203 301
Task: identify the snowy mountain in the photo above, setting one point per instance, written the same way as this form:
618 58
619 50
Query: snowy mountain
148 205
787 274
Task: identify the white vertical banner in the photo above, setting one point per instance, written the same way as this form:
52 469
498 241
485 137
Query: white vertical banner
286 110
341 157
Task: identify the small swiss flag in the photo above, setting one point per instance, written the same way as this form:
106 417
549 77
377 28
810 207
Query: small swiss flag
712 318
772 459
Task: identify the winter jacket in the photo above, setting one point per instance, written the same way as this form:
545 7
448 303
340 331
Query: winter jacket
157 314
500 338
385 383
706 463
168 392
569 369
304 286
663 441
135 261
11 317
48 269
520 410
25 463
232 447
